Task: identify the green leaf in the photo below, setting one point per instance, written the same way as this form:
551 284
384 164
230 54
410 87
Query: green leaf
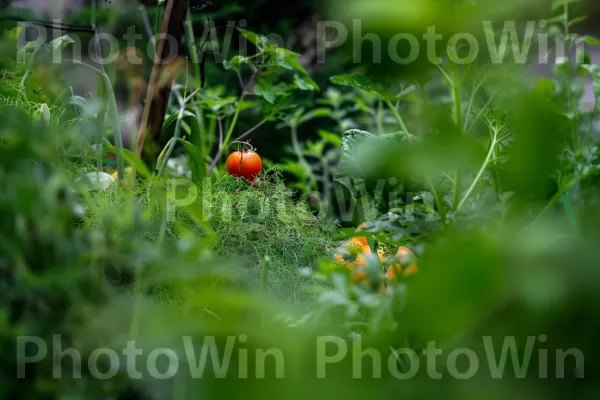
170 122
406 91
331 138
305 83
292 167
198 164
263 92
545 86
556 4
583 57
577 20
61 42
196 161
197 158
591 40
235 63
568 205
350 170
219 104
12 34
363 83
257 40
26 50
288 60
559 19
312 114
269 91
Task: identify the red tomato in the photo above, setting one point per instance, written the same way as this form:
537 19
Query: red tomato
244 164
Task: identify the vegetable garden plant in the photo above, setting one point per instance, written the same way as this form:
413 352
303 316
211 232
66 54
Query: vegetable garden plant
442 203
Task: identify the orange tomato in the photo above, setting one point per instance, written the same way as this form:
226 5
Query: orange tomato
407 265
244 164
360 246
407 258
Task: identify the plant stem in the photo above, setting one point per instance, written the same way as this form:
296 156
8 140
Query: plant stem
234 121
264 275
398 117
592 117
457 185
102 114
298 150
496 176
213 164
134 325
177 133
570 212
457 102
147 25
113 117
176 136
459 122
28 71
249 131
481 171
437 199
445 74
568 83
191 95
487 103
470 107
237 110
191 42
379 117
326 182
558 195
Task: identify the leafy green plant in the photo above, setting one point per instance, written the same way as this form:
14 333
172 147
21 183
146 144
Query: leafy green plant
274 73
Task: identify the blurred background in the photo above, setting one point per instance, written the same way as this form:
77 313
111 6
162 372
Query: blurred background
494 169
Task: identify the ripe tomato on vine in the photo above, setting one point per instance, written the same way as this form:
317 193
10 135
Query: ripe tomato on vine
244 163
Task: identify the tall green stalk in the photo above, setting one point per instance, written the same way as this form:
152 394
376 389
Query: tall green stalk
437 199
100 133
398 117
458 121
177 134
564 189
487 160
264 274
298 150
233 121
193 50
113 117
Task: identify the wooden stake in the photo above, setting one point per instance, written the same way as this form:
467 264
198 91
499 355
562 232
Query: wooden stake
157 95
